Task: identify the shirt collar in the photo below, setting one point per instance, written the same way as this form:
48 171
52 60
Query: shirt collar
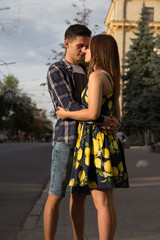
68 65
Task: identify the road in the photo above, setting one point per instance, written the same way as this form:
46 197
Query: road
24 173
138 208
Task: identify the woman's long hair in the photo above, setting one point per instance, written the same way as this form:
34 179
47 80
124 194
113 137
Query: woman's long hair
105 56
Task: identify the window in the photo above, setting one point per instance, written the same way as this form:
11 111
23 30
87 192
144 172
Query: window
150 13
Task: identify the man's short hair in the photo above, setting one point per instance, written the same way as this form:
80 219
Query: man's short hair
76 30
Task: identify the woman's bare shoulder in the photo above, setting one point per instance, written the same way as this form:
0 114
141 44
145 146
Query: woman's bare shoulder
96 76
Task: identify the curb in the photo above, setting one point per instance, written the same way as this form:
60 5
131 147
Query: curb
33 218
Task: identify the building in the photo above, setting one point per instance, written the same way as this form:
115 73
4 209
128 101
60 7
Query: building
122 19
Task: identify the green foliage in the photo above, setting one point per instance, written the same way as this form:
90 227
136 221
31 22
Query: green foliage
141 95
18 113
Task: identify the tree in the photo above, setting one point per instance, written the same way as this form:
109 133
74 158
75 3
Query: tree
18 113
154 86
8 94
141 95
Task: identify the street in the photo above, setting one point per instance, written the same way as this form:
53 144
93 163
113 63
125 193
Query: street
138 208
21 209
24 173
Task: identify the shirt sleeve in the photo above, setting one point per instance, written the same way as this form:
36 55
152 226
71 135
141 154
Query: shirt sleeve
61 93
60 90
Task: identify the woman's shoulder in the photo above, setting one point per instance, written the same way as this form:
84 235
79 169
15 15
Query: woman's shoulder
103 79
97 75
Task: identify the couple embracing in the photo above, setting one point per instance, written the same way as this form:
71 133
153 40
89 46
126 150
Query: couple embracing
87 153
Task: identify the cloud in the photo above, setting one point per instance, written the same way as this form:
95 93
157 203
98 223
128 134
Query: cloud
37 27
31 54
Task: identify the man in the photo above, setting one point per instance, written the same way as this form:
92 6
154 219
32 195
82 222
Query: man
66 80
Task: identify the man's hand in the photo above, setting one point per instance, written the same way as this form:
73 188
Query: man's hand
61 113
114 124
111 124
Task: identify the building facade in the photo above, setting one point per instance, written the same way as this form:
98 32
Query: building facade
122 19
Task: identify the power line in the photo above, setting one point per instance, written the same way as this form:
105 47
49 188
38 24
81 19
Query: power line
23 61
6 8
5 63
2 74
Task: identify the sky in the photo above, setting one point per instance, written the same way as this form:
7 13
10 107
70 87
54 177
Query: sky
29 30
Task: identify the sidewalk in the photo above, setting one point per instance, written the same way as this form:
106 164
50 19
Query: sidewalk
138 208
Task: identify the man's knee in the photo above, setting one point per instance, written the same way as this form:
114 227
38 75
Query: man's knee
53 201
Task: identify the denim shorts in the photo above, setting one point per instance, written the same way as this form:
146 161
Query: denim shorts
61 166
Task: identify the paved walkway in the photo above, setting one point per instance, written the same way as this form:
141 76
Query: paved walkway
138 207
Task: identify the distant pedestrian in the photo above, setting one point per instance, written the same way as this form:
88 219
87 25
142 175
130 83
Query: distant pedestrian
121 136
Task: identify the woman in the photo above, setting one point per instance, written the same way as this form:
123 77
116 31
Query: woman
98 157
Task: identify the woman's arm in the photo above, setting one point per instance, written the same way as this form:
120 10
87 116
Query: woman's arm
95 86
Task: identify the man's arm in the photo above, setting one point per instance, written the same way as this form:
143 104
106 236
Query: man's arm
115 119
60 91
117 113
94 104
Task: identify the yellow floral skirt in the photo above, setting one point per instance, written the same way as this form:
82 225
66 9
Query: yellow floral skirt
99 160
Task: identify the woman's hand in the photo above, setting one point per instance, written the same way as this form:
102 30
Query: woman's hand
61 113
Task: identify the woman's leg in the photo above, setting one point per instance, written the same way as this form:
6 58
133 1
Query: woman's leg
77 215
114 215
103 201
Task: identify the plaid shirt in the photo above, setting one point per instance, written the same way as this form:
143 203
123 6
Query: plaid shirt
62 90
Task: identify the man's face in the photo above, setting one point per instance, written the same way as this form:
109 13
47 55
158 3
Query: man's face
76 48
88 55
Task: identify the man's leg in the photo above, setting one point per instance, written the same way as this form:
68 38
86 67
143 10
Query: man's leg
62 158
50 218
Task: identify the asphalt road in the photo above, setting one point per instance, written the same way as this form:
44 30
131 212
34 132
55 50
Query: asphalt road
24 173
138 208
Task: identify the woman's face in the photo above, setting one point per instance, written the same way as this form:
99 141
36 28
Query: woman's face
88 55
